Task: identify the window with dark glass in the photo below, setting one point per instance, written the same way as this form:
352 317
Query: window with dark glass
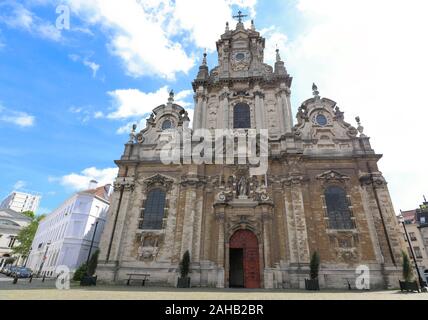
167 124
339 214
241 116
154 209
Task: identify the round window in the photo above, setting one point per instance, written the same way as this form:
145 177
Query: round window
240 56
167 124
321 120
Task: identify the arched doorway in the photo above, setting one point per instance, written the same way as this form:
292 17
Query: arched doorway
244 265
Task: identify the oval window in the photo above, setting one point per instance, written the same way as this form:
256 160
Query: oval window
240 56
321 120
167 124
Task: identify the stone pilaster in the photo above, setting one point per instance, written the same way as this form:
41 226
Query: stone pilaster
376 192
284 109
295 219
224 103
189 217
199 108
259 107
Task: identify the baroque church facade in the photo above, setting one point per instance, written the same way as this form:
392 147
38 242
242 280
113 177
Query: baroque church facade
322 190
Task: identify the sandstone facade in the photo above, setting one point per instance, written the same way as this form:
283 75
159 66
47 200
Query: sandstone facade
285 208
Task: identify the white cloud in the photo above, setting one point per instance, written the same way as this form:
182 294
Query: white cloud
86 62
80 181
137 35
133 102
98 114
19 185
15 15
93 66
18 118
145 34
370 57
205 20
274 40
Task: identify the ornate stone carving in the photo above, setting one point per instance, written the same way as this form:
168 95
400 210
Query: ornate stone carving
158 180
242 187
293 180
127 183
193 181
149 246
375 178
332 175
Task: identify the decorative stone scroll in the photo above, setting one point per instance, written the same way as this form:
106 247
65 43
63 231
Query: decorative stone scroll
375 178
149 246
127 183
332 176
158 180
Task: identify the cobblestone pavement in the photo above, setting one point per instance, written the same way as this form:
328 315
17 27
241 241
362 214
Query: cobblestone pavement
38 290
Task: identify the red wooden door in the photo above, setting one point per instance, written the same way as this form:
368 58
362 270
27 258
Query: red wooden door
247 240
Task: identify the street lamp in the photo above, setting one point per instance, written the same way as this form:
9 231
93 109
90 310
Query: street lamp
92 242
422 283
44 258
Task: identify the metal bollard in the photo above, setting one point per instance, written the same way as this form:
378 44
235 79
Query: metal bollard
31 279
44 276
15 280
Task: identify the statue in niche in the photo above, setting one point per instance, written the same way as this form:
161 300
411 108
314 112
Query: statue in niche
242 186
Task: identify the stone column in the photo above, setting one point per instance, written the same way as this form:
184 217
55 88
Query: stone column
260 119
199 106
224 103
287 111
188 221
296 221
220 218
280 111
388 232
117 219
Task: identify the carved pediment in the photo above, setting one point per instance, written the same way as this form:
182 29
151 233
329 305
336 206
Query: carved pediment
158 180
333 175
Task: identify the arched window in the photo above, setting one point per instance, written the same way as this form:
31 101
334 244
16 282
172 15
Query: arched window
338 211
154 210
241 116
167 124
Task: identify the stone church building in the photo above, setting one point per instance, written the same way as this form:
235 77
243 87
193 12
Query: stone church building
322 190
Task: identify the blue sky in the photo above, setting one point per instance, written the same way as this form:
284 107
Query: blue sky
68 97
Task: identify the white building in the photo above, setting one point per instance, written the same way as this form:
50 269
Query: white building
11 222
64 236
21 201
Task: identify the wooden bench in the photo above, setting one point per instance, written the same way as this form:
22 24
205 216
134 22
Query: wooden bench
145 277
409 286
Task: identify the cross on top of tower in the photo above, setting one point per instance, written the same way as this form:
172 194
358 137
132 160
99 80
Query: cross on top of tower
240 16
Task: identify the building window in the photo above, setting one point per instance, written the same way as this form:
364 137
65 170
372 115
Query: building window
11 242
321 120
418 252
167 124
338 211
154 210
412 236
241 116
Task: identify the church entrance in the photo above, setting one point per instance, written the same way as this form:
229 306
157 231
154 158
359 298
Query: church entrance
244 265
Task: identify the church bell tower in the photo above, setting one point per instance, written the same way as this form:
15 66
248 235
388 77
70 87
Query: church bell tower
243 92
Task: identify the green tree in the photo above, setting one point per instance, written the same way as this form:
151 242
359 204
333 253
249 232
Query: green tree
29 214
93 263
407 268
80 272
26 235
314 265
185 264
